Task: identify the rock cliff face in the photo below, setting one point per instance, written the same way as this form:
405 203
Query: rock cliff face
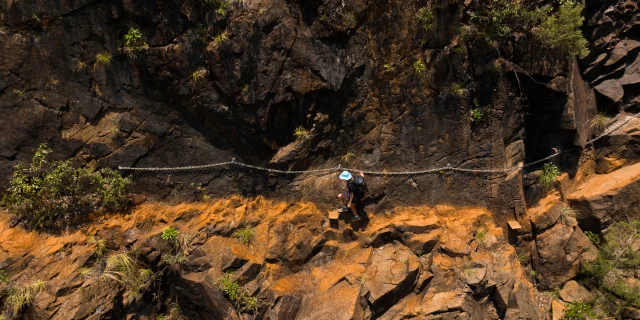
235 81
344 72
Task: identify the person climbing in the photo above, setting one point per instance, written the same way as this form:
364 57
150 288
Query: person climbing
354 192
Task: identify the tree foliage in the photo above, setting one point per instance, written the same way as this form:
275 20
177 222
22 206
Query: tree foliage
562 30
48 194
617 263
134 42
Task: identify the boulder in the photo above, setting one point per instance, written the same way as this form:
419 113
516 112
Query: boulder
420 232
441 302
559 253
620 148
557 309
574 292
631 73
391 274
606 198
611 89
621 50
341 302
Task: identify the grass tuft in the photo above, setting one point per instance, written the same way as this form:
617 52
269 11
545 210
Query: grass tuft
301 133
419 67
599 122
102 60
24 296
100 246
245 235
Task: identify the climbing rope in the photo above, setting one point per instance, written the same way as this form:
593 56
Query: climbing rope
234 163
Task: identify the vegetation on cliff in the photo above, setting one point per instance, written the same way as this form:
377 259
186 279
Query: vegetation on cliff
612 273
49 193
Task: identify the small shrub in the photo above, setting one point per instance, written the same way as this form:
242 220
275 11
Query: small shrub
427 18
52 82
4 277
180 246
134 42
18 93
81 65
480 236
221 7
102 60
523 258
240 298
301 133
197 75
460 49
203 192
419 67
616 261
174 314
599 122
533 273
24 296
245 235
229 287
578 311
476 115
562 31
220 38
347 158
349 18
100 246
49 194
456 90
388 68
548 176
134 279
170 235
113 190
594 238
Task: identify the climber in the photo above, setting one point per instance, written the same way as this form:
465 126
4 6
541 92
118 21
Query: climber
354 192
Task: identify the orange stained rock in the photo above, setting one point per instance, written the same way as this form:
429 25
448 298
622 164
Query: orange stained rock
602 184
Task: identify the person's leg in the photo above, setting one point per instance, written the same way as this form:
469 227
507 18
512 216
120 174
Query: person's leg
343 198
354 209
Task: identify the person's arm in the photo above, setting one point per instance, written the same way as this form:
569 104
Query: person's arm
362 174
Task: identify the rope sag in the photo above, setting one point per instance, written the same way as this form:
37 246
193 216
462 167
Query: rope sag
233 163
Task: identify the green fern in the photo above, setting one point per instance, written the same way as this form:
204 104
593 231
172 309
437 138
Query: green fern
548 176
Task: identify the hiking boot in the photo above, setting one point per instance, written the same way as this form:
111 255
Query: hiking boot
356 218
343 209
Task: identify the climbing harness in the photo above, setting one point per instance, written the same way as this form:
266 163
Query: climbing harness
234 163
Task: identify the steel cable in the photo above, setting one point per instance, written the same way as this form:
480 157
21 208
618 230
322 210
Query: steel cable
612 128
